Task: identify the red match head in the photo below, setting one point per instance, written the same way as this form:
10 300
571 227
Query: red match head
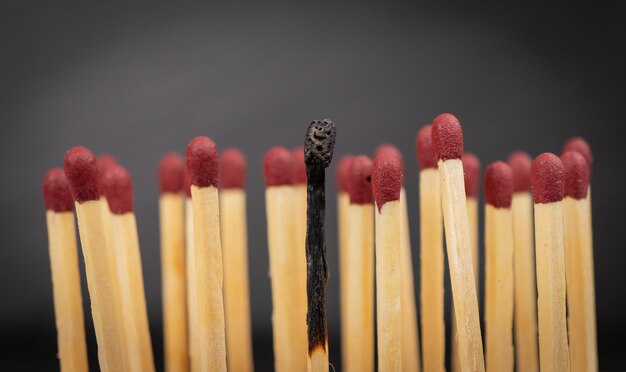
104 161
56 191
203 162
386 178
186 184
233 169
360 176
499 185
117 187
278 167
576 174
579 144
426 157
299 167
393 150
171 172
447 137
81 171
520 164
547 179
471 174
341 173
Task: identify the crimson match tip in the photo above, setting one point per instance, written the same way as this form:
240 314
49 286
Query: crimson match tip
520 163
299 167
360 178
56 191
471 174
117 187
386 178
499 185
579 144
393 150
341 173
447 137
171 173
104 161
278 167
576 174
547 179
233 169
186 184
81 171
202 162
426 157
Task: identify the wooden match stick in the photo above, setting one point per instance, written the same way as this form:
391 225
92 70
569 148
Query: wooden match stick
432 259
190 277
525 313
386 185
117 187
203 168
360 266
286 261
448 144
579 263
235 245
172 216
318 153
499 267
82 174
547 183
68 302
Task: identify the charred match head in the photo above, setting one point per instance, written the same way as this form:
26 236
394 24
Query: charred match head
233 169
499 185
426 157
447 137
342 172
319 143
81 171
360 175
56 192
547 179
576 174
520 163
117 187
171 171
278 167
386 178
471 174
299 168
202 162
581 146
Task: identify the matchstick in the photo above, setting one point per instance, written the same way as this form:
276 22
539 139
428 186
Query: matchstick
525 313
117 187
203 168
431 255
82 175
579 263
499 267
448 144
171 217
190 277
386 185
318 153
68 302
360 274
547 183
286 261
235 246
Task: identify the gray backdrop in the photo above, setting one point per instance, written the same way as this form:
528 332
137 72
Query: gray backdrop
137 81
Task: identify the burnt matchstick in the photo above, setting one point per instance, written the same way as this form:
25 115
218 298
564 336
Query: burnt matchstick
448 144
117 187
287 263
547 183
82 175
319 144
499 267
579 263
386 185
171 219
235 246
525 313
360 274
68 309
431 255
203 168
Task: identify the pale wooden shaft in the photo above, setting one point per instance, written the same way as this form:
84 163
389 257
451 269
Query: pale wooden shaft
343 202
192 299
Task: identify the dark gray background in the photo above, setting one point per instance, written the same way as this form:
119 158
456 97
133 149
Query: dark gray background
137 81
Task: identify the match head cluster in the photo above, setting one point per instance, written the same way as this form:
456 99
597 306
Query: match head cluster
579 145
576 174
233 169
171 170
319 143
520 163
360 179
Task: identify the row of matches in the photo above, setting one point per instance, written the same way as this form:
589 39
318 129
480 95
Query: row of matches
539 306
